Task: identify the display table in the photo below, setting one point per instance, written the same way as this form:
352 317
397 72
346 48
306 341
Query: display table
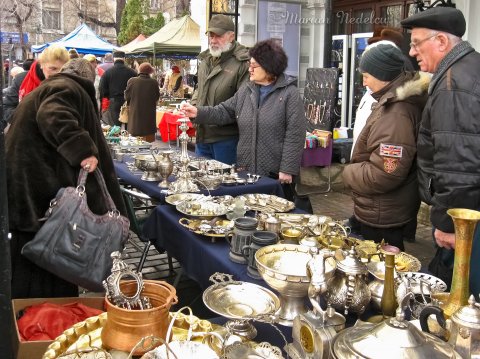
197 255
264 185
168 127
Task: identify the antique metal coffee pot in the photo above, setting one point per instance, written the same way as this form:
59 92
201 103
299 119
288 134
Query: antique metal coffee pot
348 289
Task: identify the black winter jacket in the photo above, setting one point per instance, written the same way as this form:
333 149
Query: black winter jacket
449 137
114 81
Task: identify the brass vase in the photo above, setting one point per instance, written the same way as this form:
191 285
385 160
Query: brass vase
465 221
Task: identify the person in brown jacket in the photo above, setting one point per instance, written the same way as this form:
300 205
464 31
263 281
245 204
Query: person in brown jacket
382 174
142 94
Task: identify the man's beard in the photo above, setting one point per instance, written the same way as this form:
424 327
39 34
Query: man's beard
219 51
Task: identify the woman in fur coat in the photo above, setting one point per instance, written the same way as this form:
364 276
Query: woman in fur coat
56 131
382 175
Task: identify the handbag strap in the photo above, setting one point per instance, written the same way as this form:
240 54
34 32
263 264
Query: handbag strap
82 179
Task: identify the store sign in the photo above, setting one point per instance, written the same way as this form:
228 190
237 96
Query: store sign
5 37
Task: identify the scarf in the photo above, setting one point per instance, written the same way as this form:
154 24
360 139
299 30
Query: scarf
30 82
459 51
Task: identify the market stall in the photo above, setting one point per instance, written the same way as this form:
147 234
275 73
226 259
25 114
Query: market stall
83 39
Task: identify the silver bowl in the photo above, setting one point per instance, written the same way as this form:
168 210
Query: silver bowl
148 164
284 268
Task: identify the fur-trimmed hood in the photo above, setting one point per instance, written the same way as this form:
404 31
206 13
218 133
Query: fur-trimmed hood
418 85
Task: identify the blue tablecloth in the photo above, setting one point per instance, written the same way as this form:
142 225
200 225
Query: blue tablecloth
198 256
264 185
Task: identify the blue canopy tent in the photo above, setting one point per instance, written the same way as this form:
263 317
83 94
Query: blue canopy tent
83 39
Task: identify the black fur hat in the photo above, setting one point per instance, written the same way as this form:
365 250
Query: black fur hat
271 56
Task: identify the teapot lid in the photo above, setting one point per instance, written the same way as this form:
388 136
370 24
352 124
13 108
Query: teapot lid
351 264
395 336
468 315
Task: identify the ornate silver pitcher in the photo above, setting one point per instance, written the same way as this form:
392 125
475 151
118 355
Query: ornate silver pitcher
348 289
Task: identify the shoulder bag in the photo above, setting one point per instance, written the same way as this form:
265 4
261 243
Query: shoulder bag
123 118
74 243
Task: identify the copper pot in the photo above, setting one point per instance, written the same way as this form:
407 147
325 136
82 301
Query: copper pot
125 328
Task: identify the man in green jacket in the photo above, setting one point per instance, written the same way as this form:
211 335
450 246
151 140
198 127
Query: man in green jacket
222 70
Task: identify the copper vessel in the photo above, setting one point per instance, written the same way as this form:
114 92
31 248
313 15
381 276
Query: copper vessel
465 221
125 328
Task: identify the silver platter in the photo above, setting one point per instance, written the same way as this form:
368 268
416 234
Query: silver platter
423 283
240 300
202 210
178 198
267 203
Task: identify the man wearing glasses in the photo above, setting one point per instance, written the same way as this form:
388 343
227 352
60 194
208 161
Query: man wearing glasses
222 70
449 135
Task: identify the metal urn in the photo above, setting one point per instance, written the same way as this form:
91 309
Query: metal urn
165 167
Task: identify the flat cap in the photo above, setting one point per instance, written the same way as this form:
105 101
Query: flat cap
446 19
119 54
220 24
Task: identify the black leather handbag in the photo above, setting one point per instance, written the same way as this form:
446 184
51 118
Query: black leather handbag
74 243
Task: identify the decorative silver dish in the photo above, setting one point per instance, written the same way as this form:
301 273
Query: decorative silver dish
240 302
176 199
267 203
202 210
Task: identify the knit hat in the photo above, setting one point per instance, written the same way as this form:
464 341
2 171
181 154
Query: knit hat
438 18
220 24
384 62
79 67
145 68
175 69
271 56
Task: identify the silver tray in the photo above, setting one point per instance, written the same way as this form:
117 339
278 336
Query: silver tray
178 198
267 203
239 300
423 283
202 209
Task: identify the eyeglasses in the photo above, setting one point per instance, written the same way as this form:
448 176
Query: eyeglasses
415 45
253 65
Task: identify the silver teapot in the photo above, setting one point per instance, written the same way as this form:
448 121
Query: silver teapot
348 289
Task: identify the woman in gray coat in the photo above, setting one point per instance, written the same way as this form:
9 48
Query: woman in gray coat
142 94
269 114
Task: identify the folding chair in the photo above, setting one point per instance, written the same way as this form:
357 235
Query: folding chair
139 206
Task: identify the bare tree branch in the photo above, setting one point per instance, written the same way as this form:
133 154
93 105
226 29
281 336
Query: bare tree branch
95 21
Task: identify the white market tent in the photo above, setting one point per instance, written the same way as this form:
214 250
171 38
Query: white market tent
180 37
83 39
